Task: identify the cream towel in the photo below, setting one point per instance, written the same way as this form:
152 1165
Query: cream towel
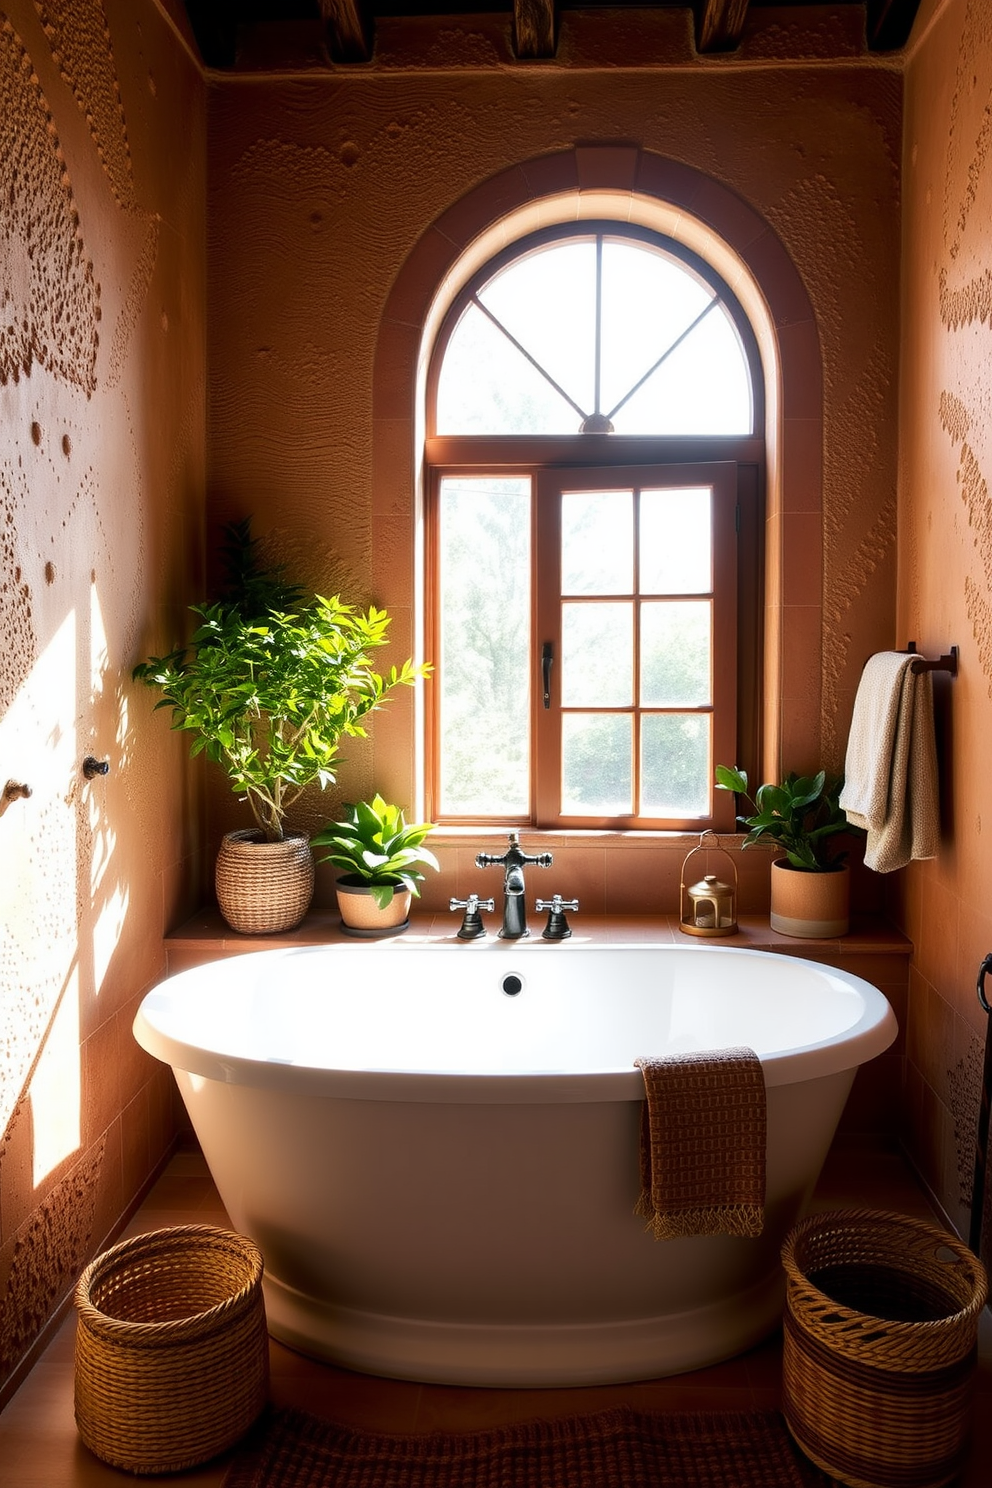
890 774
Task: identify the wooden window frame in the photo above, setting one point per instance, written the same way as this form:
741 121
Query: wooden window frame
549 602
623 457
536 456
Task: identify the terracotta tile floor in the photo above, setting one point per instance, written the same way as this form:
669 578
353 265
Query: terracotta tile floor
39 1447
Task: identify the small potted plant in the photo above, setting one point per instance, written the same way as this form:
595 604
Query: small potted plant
810 884
269 684
379 854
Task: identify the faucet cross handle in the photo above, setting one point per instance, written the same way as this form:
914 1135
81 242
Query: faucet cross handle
514 857
472 927
557 927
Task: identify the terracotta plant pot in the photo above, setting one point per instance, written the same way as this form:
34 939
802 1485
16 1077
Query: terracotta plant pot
263 887
360 915
810 906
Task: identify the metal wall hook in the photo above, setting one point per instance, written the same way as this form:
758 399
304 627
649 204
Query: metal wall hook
947 663
92 767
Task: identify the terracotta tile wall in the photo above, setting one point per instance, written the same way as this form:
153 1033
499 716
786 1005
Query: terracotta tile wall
945 565
338 202
101 489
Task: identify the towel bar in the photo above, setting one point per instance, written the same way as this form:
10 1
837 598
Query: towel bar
947 663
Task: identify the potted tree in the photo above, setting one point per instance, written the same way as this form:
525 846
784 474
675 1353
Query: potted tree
269 684
810 883
379 855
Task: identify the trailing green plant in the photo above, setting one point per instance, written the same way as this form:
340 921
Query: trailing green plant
271 682
800 815
374 846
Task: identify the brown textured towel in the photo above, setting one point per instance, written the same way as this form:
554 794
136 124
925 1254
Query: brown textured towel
703 1134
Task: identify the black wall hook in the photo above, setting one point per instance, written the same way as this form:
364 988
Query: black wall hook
93 767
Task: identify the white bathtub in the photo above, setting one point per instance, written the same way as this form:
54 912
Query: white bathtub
442 1176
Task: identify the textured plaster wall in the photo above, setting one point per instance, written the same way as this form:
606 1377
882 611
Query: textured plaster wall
101 479
945 567
321 185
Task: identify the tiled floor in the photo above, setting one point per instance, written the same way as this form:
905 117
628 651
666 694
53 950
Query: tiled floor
39 1447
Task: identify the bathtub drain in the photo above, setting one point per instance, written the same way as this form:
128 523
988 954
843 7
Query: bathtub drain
512 984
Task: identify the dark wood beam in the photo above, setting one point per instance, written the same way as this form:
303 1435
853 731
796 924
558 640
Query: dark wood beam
534 28
889 23
350 29
719 24
215 26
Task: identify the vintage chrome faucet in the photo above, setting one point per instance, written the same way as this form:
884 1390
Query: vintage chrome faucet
514 904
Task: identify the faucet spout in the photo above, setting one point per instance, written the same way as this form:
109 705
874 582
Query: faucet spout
514 902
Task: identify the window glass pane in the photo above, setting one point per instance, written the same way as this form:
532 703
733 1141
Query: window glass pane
702 388
675 764
484 635
597 542
597 647
675 654
596 764
547 301
487 387
676 553
648 301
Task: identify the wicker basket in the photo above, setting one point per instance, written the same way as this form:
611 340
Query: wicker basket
172 1359
881 1325
263 887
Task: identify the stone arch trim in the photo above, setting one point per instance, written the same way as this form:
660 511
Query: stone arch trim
708 215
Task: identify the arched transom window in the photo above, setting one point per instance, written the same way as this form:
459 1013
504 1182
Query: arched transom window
592 403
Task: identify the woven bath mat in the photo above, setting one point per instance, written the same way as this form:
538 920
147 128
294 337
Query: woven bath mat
618 1448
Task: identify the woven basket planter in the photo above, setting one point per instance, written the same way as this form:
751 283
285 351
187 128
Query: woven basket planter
263 887
172 1358
878 1360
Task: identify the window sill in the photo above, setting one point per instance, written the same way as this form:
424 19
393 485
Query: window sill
206 937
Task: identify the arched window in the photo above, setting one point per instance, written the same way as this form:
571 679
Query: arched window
593 509
598 332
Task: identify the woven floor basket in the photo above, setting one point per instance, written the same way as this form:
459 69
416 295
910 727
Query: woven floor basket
172 1359
263 887
881 1324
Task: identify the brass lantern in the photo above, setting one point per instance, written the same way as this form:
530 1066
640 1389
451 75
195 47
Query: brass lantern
708 907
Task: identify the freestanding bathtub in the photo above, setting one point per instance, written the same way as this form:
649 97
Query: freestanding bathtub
436 1146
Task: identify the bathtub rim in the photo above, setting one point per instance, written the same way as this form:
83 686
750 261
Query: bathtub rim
870 1036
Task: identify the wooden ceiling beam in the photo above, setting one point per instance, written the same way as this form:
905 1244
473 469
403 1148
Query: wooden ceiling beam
350 29
719 24
534 28
215 26
888 23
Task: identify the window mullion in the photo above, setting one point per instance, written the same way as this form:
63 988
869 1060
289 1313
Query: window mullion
546 588
636 669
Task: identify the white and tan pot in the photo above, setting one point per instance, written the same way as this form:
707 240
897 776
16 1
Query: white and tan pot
810 906
263 887
361 915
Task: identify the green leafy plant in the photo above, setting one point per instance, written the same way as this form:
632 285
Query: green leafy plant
800 815
271 682
375 847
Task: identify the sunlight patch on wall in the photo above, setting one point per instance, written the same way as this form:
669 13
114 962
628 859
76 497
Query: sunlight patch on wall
107 933
55 1092
39 845
99 648
113 899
